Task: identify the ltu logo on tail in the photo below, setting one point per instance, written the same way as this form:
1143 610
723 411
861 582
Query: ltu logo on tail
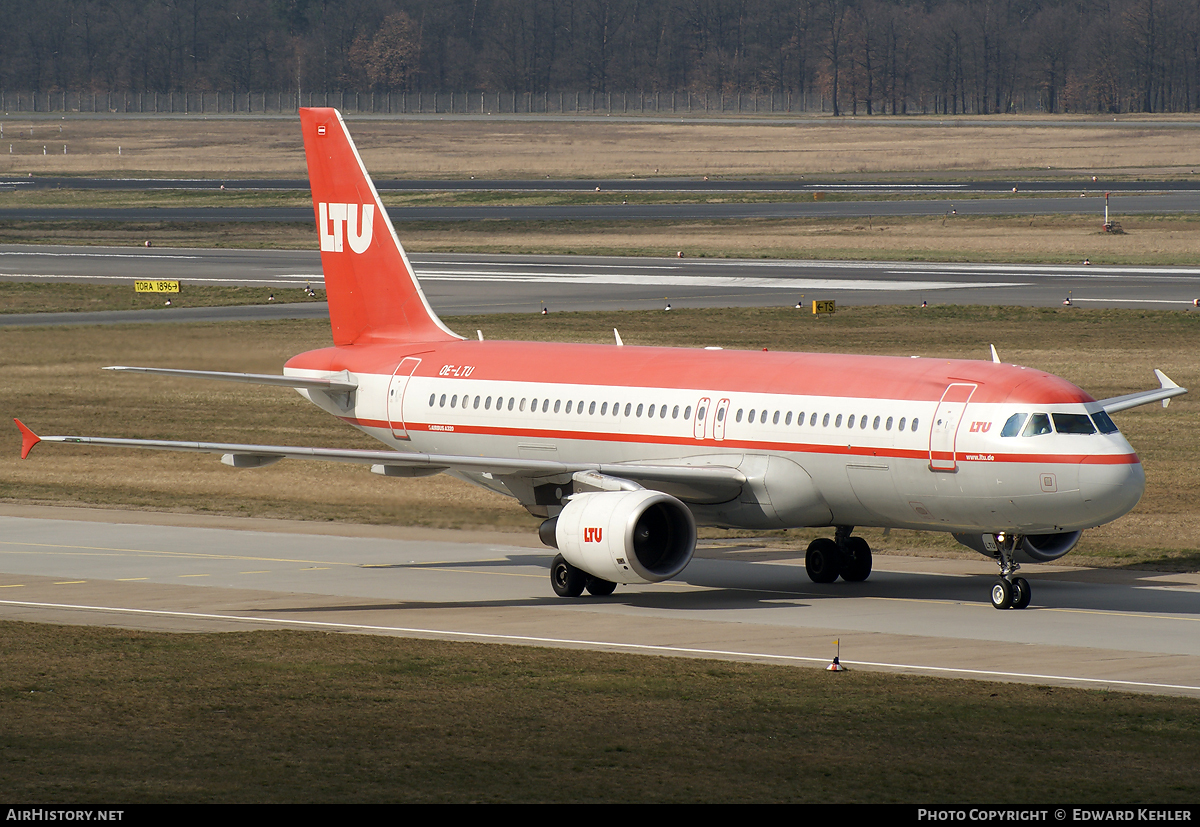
344 218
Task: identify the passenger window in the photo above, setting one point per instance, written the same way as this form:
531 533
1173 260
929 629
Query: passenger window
862 422
442 401
875 426
787 420
639 410
545 405
1104 422
813 421
662 411
1012 426
511 400
762 418
1067 423
888 425
800 419
432 397
1039 424
650 412
720 414
687 412
824 421
675 412
592 408
775 418
914 425
901 427
628 408
837 423
454 401
753 415
850 422
476 405
558 404
523 405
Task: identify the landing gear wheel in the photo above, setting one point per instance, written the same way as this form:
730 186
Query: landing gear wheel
567 580
1022 593
823 560
856 564
1002 594
600 588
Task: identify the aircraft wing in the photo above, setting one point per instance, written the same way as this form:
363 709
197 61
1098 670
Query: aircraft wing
1167 390
719 481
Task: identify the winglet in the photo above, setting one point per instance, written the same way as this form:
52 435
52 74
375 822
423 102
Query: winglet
1165 382
28 438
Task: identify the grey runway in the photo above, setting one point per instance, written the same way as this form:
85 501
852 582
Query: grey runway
1183 201
483 284
1096 629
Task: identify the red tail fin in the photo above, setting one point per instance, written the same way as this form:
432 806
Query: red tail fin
373 293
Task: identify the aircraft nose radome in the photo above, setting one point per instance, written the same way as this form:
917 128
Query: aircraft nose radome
1111 491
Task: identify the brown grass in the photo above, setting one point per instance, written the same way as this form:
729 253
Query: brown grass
1161 240
53 382
481 147
123 718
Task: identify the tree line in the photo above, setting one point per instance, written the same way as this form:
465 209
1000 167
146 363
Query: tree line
862 56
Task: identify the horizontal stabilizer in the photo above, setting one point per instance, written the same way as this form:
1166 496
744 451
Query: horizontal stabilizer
342 384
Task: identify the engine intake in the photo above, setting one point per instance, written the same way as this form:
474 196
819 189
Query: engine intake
1034 548
624 536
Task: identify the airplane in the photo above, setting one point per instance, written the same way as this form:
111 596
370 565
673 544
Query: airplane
623 451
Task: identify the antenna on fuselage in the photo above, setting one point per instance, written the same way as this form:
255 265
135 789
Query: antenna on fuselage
995 355
618 335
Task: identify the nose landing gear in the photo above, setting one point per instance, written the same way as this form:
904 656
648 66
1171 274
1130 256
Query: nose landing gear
1009 592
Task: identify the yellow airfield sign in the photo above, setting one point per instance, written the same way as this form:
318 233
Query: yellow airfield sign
824 307
156 286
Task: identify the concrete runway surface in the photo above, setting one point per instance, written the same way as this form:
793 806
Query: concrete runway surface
1098 629
460 284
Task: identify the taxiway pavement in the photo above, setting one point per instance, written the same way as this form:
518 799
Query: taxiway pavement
1116 630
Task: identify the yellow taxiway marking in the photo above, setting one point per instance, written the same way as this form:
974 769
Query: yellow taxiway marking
192 575
130 579
12 586
68 582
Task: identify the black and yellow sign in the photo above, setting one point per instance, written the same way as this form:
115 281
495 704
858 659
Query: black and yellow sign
824 307
156 286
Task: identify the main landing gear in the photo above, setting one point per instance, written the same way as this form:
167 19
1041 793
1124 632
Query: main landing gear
843 556
569 581
1009 592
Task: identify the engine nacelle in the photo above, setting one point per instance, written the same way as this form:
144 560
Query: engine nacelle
1034 548
624 536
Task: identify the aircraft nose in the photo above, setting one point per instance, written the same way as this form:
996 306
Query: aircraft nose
1111 491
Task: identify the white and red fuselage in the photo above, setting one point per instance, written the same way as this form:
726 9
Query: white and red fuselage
863 440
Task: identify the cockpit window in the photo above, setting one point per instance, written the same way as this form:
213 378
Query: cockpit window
1039 424
1066 423
1104 423
1013 426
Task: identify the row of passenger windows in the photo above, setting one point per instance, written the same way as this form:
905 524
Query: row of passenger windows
1064 423
863 421
660 411
512 403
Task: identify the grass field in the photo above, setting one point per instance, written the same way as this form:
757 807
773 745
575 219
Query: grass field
602 148
54 384
118 717
1149 240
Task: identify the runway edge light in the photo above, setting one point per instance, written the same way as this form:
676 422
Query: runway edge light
836 666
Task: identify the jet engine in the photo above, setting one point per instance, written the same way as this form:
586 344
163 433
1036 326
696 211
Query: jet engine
624 536
1034 548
